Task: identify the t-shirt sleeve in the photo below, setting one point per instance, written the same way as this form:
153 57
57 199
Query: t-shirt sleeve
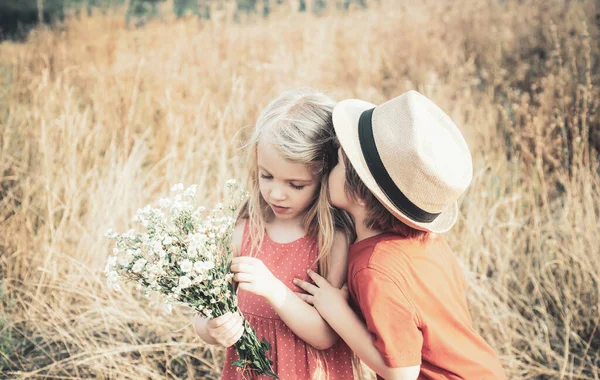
390 318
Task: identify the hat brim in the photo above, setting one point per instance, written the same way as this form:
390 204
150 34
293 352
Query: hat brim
346 115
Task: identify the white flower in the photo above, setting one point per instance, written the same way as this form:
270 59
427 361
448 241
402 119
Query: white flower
192 252
191 191
198 279
125 258
112 280
112 276
164 202
177 187
202 266
108 233
184 282
219 206
185 265
168 308
112 260
177 206
230 183
168 240
139 265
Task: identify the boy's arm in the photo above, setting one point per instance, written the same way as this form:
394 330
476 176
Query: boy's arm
354 332
304 320
368 345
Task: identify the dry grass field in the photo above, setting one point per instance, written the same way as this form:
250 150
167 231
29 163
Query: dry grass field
98 119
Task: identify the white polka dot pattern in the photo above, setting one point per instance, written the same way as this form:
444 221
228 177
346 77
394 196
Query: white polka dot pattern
292 357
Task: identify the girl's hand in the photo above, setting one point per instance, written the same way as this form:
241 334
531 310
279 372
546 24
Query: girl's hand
226 329
253 276
323 296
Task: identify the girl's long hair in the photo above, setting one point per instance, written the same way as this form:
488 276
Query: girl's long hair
298 124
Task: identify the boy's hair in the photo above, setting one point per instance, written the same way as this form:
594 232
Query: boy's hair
378 217
298 124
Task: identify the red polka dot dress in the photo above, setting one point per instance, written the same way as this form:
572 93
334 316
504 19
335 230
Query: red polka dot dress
293 359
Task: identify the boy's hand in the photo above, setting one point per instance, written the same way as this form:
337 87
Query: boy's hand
252 275
226 329
323 296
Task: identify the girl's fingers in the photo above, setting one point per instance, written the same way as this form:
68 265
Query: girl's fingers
238 334
221 331
241 267
232 328
219 321
306 298
306 286
320 281
244 260
243 277
245 286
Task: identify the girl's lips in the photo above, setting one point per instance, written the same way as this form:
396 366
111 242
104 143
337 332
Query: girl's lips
279 209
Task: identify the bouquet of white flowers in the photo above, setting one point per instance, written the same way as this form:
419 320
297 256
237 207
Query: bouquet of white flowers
183 252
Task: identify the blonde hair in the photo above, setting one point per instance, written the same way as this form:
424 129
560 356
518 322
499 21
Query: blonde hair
298 125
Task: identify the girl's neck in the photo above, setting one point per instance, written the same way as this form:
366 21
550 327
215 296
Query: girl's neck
283 231
286 223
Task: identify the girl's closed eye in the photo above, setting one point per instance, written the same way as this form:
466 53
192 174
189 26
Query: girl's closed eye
294 186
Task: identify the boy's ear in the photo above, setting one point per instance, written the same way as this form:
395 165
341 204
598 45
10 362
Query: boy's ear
361 202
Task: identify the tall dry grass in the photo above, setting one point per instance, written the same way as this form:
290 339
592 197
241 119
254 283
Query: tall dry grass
97 120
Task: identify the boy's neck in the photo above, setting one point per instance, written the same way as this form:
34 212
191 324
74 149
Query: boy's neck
362 231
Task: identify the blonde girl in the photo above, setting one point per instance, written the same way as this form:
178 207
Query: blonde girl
286 227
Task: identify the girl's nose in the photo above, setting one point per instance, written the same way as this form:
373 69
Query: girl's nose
277 193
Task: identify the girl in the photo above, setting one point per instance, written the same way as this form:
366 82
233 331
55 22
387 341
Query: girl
287 226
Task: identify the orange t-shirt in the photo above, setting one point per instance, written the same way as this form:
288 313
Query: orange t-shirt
412 296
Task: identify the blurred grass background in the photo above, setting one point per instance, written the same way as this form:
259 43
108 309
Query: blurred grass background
106 107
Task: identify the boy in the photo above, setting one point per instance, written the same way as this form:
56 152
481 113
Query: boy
402 166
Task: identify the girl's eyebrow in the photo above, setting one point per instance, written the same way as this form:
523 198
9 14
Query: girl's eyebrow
288 180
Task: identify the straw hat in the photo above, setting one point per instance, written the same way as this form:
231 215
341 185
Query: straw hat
410 155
